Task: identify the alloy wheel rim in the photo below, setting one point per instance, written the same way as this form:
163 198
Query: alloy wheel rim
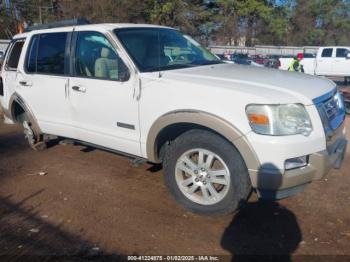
202 176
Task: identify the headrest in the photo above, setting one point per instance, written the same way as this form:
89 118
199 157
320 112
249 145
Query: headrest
105 52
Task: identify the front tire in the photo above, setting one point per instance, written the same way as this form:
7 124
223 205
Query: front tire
205 173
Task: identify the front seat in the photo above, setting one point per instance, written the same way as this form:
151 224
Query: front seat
106 66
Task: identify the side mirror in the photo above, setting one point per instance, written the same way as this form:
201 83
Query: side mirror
124 76
348 55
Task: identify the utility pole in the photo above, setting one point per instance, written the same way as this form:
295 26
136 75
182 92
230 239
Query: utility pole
40 13
55 8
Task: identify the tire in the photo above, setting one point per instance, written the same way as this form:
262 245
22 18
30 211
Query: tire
228 168
29 135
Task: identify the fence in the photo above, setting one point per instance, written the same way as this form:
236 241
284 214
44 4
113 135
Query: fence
265 50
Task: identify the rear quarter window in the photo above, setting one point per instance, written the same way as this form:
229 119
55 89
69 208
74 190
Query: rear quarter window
14 55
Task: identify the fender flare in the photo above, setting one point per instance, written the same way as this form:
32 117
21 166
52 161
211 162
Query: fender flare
208 120
18 99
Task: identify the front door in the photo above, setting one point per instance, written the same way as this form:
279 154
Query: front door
104 108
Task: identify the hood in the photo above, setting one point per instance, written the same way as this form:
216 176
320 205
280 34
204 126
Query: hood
276 86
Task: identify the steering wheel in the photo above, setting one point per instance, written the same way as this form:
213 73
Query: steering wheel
184 57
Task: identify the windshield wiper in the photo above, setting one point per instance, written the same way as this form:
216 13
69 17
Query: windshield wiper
211 62
168 67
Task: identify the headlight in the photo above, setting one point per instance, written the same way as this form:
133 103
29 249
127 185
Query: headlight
279 120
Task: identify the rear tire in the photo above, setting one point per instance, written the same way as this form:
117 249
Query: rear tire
205 173
33 141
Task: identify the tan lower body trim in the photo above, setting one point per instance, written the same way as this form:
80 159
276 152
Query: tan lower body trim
207 120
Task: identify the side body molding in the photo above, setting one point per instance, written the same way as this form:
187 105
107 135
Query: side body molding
11 114
207 120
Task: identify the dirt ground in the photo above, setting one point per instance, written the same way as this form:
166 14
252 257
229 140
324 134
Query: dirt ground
94 202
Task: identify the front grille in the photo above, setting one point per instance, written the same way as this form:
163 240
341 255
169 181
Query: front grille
332 111
331 107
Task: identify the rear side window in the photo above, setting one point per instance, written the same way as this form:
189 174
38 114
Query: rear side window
327 52
342 52
15 53
47 54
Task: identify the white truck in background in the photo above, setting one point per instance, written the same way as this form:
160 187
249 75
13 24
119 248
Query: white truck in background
329 61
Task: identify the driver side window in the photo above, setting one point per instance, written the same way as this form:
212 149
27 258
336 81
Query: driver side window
95 57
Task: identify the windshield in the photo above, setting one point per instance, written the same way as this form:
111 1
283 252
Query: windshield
154 49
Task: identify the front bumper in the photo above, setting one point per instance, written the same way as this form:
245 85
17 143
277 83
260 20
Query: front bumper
273 183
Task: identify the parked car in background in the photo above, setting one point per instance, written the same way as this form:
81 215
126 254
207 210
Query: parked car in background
239 59
272 62
259 59
224 59
244 59
333 61
329 61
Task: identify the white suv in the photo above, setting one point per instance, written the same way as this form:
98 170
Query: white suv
148 91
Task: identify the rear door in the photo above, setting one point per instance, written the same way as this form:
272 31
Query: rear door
43 80
9 73
325 61
341 62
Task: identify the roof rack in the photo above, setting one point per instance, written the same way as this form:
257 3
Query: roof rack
63 23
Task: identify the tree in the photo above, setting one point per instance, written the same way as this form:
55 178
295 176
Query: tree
274 30
321 22
228 19
251 12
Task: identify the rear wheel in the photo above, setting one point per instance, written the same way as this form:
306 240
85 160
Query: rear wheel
29 134
205 173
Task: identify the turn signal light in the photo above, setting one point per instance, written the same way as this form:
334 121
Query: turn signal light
258 119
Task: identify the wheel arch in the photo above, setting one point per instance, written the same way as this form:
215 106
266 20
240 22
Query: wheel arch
174 123
17 101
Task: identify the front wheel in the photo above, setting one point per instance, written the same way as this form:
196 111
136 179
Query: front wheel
205 173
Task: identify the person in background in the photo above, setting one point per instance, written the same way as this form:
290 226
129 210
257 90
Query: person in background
295 64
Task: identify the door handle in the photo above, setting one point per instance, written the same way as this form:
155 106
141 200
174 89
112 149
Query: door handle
79 89
25 83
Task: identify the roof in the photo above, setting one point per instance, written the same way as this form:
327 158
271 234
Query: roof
104 26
